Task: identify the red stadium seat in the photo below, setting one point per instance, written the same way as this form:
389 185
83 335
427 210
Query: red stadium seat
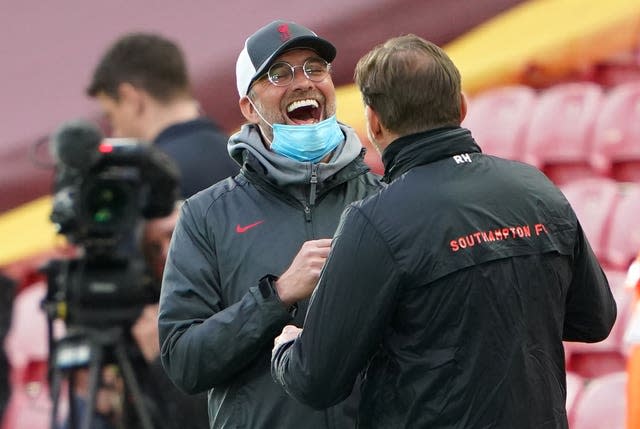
593 200
29 406
597 359
620 68
602 404
26 345
27 338
559 133
616 136
575 386
623 239
498 119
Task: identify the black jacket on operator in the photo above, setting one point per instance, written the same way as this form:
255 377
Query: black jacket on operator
453 288
217 321
199 149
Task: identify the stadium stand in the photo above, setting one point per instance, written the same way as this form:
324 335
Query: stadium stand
608 211
498 119
26 343
29 406
620 68
591 360
602 403
594 200
616 134
560 126
623 238
575 386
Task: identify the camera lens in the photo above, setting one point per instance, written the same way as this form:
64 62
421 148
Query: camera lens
106 203
109 205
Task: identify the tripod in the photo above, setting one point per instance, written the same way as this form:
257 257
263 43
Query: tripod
92 348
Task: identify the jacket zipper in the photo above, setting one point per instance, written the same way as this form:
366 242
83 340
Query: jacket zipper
307 213
313 181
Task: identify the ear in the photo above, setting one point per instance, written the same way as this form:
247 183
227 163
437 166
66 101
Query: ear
130 96
248 110
375 128
463 107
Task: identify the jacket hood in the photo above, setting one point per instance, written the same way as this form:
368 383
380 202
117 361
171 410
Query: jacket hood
246 146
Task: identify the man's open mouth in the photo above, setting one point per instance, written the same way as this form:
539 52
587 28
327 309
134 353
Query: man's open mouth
304 111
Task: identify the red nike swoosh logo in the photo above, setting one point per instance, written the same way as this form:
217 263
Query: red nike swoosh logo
241 229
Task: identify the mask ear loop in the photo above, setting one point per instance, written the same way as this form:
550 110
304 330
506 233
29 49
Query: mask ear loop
261 117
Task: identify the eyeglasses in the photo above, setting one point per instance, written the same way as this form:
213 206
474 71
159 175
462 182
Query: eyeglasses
282 73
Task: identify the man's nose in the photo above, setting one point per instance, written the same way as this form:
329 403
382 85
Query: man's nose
299 78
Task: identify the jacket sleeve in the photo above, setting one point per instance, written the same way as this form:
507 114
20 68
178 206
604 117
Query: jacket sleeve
590 306
348 314
203 342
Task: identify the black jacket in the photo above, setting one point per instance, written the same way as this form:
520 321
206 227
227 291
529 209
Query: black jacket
217 325
453 288
199 150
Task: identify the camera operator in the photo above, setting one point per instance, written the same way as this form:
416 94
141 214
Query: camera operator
142 86
150 99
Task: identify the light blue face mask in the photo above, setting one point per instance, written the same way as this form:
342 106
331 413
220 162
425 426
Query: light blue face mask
306 143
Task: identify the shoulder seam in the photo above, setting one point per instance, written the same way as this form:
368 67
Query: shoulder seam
391 253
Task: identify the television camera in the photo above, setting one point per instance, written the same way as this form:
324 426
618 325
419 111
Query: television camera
103 189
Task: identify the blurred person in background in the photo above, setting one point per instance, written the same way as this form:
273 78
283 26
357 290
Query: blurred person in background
244 248
143 89
453 287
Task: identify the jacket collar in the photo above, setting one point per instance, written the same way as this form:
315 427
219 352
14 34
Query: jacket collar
303 181
424 148
248 150
170 133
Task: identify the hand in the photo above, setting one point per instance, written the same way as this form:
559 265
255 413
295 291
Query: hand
289 333
300 279
109 398
145 332
110 393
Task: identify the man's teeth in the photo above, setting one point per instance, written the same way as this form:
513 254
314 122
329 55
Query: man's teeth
302 103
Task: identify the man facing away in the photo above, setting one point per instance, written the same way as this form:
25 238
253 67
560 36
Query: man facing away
454 287
244 249
142 86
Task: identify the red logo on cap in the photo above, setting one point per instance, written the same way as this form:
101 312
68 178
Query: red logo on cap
283 29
